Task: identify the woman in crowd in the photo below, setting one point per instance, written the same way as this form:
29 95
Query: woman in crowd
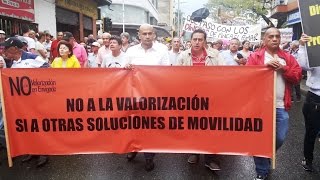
245 49
65 59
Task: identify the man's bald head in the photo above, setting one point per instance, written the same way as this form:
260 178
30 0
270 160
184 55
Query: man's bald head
271 30
146 35
272 39
144 27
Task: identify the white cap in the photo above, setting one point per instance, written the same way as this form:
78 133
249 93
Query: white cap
95 44
2 32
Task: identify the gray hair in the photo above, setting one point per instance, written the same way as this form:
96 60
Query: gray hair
295 43
125 34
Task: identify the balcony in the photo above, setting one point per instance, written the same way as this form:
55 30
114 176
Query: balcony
279 9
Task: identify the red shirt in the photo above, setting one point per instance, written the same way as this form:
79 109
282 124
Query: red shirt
201 60
54 49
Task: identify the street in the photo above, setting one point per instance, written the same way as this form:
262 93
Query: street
168 166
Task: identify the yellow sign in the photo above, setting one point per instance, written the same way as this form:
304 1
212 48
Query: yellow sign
86 7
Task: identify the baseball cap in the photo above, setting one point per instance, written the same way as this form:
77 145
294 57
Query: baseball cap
22 39
95 44
12 42
2 32
67 36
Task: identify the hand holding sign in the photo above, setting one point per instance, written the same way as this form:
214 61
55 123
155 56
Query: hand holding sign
304 39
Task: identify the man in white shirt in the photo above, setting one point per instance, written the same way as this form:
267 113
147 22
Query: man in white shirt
104 50
117 58
47 43
174 53
146 54
230 56
31 42
92 57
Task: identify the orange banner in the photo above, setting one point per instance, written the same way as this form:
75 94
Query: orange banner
220 110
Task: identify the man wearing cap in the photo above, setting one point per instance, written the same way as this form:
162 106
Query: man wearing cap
25 43
92 57
78 50
22 59
2 36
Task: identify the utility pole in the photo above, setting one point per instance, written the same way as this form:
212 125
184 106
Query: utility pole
178 18
123 29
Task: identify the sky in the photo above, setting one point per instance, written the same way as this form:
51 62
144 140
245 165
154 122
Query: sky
189 6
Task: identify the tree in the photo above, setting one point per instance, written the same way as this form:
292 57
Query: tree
247 10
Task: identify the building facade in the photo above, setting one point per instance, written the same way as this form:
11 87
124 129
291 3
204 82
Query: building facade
288 10
15 13
166 14
136 12
77 16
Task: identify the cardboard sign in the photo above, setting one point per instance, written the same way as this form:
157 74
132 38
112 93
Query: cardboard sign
310 18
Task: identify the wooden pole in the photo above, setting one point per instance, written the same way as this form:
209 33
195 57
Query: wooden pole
274 119
5 123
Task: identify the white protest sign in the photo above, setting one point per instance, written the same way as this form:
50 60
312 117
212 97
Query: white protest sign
286 35
251 33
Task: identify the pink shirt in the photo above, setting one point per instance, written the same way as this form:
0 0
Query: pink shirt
103 51
80 53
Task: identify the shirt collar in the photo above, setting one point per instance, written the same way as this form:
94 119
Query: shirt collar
204 52
152 47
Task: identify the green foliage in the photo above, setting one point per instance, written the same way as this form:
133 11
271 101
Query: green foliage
247 9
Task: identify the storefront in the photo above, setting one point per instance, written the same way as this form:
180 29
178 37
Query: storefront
14 14
77 16
294 21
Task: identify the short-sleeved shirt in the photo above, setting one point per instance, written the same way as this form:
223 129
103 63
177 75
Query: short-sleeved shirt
81 54
110 61
31 43
92 60
102 52
228 57
137 55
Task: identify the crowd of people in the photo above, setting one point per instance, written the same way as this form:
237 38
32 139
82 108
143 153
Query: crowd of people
39 50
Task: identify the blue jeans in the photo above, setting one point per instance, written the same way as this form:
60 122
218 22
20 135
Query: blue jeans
282 121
